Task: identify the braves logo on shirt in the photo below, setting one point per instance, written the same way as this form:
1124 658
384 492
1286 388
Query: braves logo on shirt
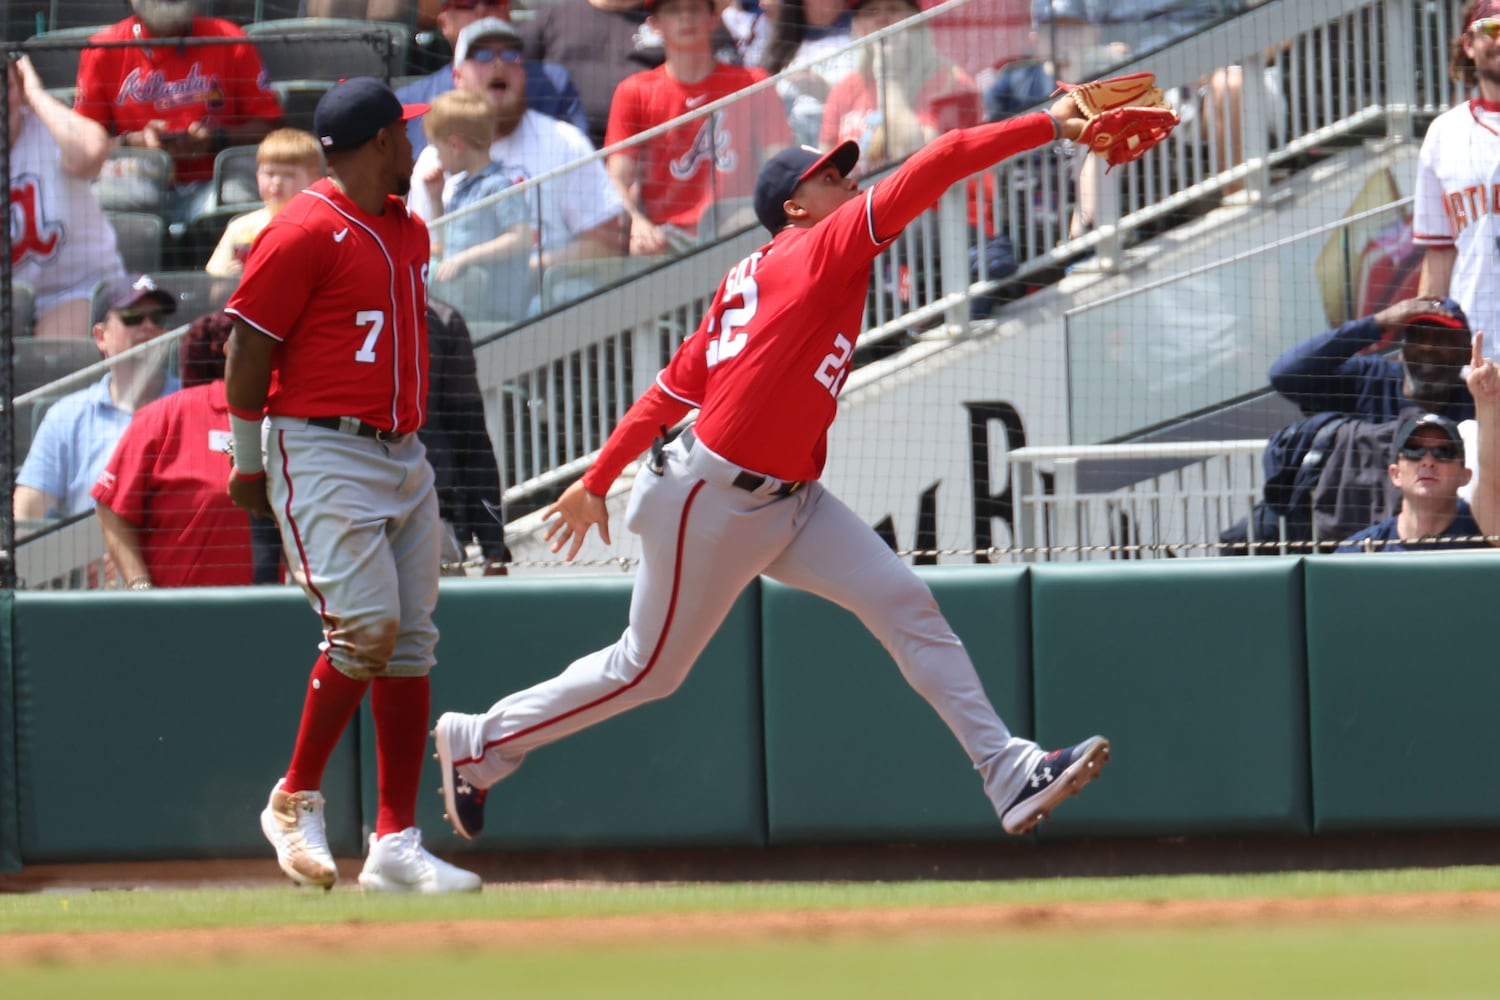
710 145
152 87
30 234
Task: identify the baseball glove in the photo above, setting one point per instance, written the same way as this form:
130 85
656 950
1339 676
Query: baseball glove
1127 115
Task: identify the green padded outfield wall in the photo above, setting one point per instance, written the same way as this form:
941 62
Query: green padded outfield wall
1195 671
10 832
852 752
1404 683
686 770
152 724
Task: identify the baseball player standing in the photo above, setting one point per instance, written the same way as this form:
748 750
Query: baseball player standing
738 495
1458 180
330 347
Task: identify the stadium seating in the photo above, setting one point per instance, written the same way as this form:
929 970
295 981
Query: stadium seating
69 14
298 100
22 304
139 238
134 179
197 292
55 53
234 178
329 48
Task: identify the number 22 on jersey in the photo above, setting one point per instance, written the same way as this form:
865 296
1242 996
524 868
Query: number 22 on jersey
727 333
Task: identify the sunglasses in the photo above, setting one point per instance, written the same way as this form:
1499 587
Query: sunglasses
134 317
474 4
508 56
1489 27
1440 452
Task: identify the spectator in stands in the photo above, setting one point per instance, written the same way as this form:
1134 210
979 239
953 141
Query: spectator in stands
668 183
61 243
162 507
902 96
495 240
286 161
1333 372
1427 467
580 213
751 25
190 100
79 431
1483 383
601 42
1454 220
826 28
549 87
459 448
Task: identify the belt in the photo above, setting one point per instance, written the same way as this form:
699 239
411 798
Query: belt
351 425
749 481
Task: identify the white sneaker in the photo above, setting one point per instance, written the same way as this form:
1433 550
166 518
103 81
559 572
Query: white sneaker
293 823
399 863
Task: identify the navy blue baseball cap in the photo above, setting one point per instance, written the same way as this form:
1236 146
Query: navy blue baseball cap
352 111
790 167
1412 424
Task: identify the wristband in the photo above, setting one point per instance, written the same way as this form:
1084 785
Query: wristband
246 437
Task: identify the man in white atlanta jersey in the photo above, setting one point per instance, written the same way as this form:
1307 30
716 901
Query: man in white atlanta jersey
330 350
738 494
1457 213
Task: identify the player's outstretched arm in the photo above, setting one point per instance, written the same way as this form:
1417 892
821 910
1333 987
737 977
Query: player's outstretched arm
574 512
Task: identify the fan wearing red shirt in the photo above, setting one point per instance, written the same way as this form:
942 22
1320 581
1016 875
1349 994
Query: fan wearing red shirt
669 182
903 95
166 519
737 494
191 100
330 348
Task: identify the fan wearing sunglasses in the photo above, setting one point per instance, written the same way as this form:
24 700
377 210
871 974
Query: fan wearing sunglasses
549 87
1458 179
1427 467
79 432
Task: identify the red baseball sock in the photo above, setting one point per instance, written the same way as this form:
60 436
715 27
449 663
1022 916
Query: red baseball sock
332 699
401 706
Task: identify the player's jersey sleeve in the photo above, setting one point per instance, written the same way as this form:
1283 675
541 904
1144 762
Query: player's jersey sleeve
1431 226
281 274
642 423
125 484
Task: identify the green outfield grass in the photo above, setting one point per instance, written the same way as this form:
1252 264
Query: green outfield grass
1391 958
165 909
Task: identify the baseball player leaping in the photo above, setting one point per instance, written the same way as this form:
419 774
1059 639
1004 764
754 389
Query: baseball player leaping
333 303
737 494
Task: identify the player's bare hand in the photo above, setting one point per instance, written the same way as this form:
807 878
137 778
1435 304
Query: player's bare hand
1484 375
1398 315
574 512
250 494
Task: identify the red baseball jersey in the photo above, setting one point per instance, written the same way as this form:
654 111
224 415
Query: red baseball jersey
684 170
766 365
125 88
948 99
345 295
166 477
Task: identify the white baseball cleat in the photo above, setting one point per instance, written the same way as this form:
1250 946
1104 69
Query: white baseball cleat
1058 775
399 863
293 823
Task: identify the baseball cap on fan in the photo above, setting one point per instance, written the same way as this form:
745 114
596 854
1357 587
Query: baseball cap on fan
354 110
1413 424
485 27
131 290
1447 315
790 167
